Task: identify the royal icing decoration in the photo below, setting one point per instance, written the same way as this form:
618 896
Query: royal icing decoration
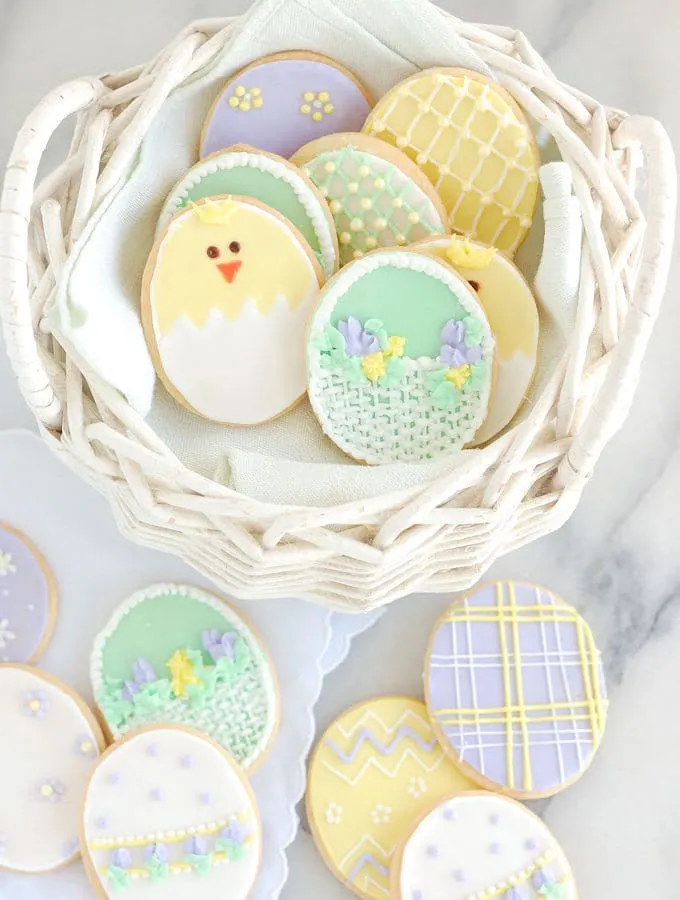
173 653
28 598
399 359
480 846
378 197
168 814
228 290
50 742
511 310
375 770
272 181
472 141
282 102
515 686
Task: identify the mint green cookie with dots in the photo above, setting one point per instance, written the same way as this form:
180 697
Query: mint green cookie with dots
271 180
175 654
399 359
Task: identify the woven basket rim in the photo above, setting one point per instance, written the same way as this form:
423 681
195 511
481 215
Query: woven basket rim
359 554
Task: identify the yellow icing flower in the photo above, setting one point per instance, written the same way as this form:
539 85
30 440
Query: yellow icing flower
245 99
317 105
215 212
395 346
459 376
373 366
182 671
464 256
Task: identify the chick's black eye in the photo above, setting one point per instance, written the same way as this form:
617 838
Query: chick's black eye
235 247
213 252
475 285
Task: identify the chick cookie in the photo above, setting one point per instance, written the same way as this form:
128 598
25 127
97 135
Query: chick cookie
227 293
167 813
378 197
480 846
28 598
269 179
399 359
515 689
511 310
175 653
284 101
50 743
375 770
472 141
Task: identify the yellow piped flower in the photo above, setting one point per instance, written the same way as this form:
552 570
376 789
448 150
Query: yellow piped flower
215 212
374 366
464 256
182 671
317 105
459 377
245 99
395 346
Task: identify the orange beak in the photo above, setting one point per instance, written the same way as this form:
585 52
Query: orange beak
230 270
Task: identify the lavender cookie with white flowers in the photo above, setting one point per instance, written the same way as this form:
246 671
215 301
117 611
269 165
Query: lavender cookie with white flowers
174 654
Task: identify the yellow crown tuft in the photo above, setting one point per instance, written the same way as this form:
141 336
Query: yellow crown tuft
464 256
215 212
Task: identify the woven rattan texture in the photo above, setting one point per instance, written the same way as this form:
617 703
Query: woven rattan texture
440 537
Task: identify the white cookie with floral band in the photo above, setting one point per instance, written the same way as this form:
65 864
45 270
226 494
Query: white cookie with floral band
49 744
168 814
481 846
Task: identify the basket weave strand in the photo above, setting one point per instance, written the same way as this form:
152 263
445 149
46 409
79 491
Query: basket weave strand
437 537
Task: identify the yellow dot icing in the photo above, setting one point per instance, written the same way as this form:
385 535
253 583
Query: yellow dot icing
317 116
309 96
240 91
305 108
233 102
324 96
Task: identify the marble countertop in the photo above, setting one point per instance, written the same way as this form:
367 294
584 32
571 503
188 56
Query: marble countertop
617 559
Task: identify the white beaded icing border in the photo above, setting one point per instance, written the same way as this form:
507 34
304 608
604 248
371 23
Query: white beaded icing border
227 160
229 614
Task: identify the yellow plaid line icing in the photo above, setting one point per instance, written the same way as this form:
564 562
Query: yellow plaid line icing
515 683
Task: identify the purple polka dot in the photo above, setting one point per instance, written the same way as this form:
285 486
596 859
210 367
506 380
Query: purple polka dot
450 814
495 848
460 875
115 778
102 822
152 750
187 762
494 818
158 794
417 895
432 850
206 798
531 844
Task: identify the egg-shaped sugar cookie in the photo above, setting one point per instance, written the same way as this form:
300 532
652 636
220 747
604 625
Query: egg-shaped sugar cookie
227 293
481 846
378 197
168 814
28 598
399 359
49 744
515 689
374 771
269 179
284 101
178 654
511 309
473 142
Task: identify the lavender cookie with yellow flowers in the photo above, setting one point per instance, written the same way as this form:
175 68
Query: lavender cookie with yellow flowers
399 359
174 654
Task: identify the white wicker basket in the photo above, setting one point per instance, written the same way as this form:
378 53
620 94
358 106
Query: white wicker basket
356 556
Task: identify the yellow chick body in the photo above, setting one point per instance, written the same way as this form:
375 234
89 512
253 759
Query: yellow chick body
228 290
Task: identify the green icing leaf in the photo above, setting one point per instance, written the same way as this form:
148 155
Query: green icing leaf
376 327
474 331
196 695
479 373
158 871
552 891
395 369
330 340
152 697
445 395
234 851
116 710
119 878
201 864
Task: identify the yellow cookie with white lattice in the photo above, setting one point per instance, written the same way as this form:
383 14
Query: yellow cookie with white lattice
374 772
473 142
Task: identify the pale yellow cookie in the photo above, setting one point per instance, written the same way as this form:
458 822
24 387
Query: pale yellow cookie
377 195
374 771
473 142
511 310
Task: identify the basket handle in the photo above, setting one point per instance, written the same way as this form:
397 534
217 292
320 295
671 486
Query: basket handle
15 215
608 413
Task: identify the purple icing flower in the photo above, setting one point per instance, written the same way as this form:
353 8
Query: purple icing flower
187 762
129 690
531 843
220 645
455 352
157 853
450 814
143 671
35 704
102 822
121 858
543 876
196 846
206 798
460 875
417 895
152 750
357 341
51 790
432 851
512 894
86 745
158 794
234 832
